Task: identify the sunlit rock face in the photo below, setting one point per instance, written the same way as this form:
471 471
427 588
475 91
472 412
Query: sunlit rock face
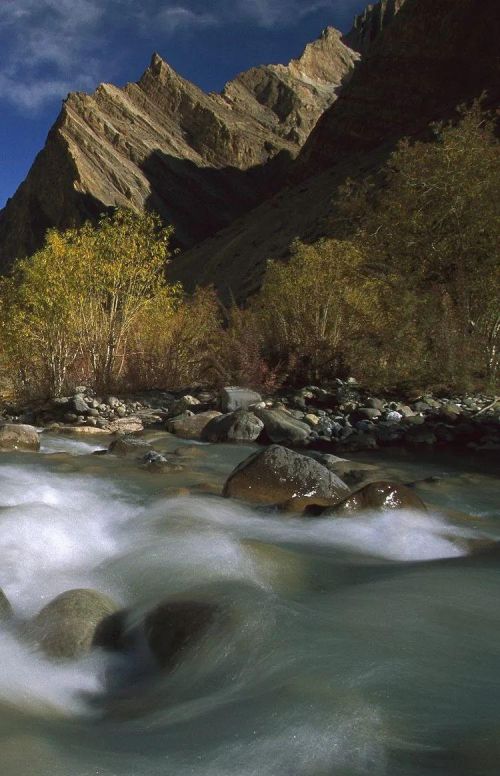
198 159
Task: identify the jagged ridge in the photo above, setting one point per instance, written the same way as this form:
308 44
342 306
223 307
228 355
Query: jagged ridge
198 159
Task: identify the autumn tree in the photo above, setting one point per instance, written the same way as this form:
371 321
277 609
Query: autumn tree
121 269
313 309
431 234
39 323
79 298
176 340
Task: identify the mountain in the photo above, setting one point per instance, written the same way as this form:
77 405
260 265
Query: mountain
370 23
433 55
198 159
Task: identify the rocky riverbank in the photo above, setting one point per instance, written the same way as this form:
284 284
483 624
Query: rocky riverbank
341 418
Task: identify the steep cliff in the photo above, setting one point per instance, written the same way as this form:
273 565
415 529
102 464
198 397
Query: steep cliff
434 55
198 159
370 23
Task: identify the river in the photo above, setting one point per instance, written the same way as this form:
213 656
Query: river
360 646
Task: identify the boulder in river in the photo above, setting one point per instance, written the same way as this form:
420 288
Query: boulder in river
239 426
233 398
129 445
282 428
15 436
5 607
69 625
130 425
276 475
185 403
190 426
383 495
174 627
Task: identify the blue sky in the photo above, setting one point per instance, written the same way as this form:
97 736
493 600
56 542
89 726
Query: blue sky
51 47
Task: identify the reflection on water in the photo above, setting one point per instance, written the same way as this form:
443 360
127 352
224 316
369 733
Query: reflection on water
351 646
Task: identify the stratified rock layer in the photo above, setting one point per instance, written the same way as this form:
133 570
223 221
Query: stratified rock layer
197 159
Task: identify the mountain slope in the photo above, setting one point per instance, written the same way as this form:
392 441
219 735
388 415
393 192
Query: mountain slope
369 24
434 55
198 159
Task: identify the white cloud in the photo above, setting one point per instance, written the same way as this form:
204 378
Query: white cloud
176 17
51 46
270 13
45 44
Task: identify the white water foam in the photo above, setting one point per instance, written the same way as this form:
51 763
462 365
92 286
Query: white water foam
403 535
60 444
30 682
55 531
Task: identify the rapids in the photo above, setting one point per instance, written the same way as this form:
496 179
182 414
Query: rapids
354 646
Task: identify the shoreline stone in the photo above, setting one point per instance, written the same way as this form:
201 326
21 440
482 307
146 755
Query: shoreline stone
339 418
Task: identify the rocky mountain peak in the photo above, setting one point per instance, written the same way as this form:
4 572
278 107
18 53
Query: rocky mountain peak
198 159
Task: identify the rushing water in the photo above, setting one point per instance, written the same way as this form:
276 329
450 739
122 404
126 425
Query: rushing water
361 646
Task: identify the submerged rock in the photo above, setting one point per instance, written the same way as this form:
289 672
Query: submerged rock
174 627
69 625
276 474
156 462
130 425
126 445
18 437
191 426
5 607
239 426
381 495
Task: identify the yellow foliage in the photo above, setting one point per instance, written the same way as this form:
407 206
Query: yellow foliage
314 308
76 301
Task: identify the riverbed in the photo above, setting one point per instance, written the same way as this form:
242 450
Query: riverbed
362 646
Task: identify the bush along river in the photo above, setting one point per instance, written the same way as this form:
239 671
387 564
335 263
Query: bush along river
199 608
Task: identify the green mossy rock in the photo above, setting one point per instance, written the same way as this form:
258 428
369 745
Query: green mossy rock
69 626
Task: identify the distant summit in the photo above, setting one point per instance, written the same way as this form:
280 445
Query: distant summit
198 159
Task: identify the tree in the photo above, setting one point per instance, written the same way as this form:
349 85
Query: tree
77 301
38 318
121 268
314 308
175 340
432 232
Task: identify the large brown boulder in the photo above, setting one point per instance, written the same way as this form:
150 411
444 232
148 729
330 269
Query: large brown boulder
18 437
129 425
383 495
190 426
69 625
173 627
276 474
129 445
